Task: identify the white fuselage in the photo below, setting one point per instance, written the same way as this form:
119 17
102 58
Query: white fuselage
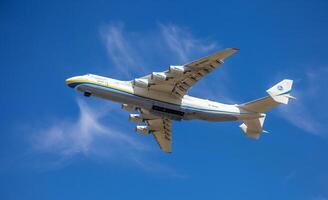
157 102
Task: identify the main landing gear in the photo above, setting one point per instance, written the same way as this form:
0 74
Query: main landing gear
87 94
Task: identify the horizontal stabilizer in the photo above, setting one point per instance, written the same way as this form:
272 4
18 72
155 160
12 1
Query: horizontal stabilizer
253 127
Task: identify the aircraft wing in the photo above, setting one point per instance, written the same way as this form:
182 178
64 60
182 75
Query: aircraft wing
160 128
178 79
162 133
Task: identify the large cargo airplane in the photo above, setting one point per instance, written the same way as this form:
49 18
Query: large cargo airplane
161 97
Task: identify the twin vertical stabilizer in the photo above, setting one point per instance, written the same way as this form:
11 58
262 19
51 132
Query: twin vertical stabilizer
278 94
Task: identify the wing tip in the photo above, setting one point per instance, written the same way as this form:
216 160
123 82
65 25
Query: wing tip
169 151
236 49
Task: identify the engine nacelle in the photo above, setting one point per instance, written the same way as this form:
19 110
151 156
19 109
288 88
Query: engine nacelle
139 82
142 129
135 118
177 70
158 76
128 107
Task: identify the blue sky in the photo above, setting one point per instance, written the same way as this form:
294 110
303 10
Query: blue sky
56 144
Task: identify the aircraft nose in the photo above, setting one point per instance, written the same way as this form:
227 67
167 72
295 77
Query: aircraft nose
70 81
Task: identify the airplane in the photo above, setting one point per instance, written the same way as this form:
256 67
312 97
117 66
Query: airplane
161 97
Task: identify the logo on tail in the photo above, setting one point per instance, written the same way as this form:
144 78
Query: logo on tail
280 91
279 87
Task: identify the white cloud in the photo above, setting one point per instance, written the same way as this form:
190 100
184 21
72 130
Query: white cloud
85 136
289 177
120 50
181 42
134 51
90 138
319 197
308 111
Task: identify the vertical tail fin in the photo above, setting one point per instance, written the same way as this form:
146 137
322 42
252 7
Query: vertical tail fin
280 92
253 127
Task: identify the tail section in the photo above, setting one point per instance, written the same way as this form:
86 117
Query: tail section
253 127
278 94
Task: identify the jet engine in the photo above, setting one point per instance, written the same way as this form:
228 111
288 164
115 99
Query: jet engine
139 82
177 70
142 129
128 107
135 118
158 76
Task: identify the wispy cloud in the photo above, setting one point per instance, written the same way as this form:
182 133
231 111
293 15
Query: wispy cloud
89 137
133 51
84 136
306 112
289 177
120 49
319 197
182 43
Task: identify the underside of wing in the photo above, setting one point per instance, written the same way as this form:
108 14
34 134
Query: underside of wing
218 56
162 131
178 79
161 128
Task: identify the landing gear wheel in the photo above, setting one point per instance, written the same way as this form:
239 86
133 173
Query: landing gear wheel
87 94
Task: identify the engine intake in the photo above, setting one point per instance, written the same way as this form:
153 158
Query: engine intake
135 118
128 107
158 76
139 82
177 70
143 129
